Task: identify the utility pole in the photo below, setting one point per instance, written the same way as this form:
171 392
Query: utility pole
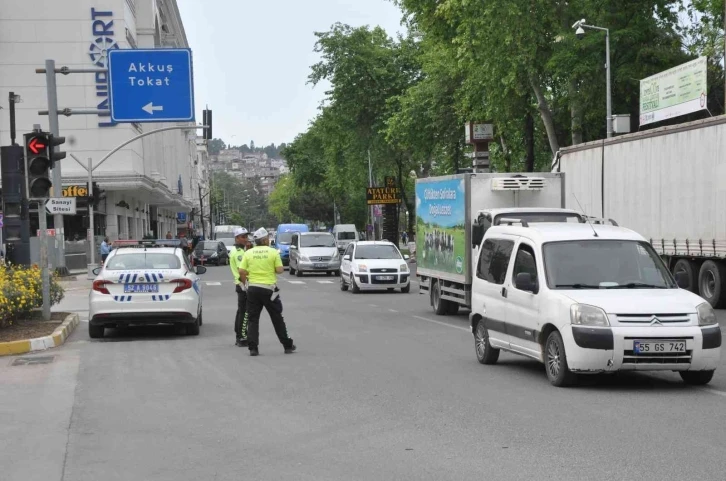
370 184
201 212
12 100
58 221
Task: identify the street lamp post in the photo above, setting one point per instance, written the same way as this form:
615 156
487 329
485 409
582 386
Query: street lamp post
580 25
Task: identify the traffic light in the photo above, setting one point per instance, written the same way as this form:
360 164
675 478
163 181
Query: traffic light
40 156
16 226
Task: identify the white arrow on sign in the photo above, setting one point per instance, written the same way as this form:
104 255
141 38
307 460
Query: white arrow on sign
150 108
61 205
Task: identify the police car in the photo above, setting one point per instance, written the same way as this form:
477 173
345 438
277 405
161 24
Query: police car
146 282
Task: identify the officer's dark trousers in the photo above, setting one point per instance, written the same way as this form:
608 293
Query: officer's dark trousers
257 298
240 323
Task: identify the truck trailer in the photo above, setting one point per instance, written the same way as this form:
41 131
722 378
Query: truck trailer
453 213
669 185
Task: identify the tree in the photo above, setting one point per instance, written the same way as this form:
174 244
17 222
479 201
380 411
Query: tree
214 146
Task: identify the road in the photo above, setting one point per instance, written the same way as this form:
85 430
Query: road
380 388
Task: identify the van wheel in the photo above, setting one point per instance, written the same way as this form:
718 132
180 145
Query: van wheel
696 378
711 280
441 306
691 271
292 271
485 353
298 273
555 358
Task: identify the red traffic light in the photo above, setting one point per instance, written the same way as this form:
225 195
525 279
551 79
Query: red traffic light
37 145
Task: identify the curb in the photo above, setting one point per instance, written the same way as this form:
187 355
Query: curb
56 339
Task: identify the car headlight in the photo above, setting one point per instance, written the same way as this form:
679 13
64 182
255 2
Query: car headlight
304 258
585 315
362 268
404 268
706 314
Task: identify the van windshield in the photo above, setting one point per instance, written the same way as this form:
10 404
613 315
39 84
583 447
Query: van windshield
317 240
284 238
604 264
346 235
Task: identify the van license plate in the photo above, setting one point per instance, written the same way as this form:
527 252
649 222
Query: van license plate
141 288
320 266
656 347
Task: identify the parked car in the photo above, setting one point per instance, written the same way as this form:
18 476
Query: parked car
586 298
314 252
374 265
145 284
210 252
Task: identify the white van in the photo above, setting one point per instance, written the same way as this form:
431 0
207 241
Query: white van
344 235
586 298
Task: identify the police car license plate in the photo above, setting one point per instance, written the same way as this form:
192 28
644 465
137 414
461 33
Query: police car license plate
385 278
141 288
320 266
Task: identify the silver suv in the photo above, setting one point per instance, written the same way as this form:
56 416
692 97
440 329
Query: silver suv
314 252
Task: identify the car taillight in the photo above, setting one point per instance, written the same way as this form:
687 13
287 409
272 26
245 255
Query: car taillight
181 285
100 286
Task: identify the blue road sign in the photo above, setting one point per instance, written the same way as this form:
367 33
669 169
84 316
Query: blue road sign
151 85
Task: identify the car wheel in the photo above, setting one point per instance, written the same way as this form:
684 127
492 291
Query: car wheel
558 372
329 273
441 306
343 285
390 289
193 329
453 309
696 378
337 273
95 332
298 272
485 353
406 289
353 286
292 271
201 321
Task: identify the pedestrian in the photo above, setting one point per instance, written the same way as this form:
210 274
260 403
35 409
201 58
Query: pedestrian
169 236
105 249
241 243
260 266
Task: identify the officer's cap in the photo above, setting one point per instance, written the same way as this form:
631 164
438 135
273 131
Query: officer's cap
240 231
260 233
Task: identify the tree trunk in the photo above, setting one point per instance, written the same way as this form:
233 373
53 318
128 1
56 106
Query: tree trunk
507 159
576 114
546 115
529 142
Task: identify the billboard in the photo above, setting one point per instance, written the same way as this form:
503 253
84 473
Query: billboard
441 225
390 194
677 91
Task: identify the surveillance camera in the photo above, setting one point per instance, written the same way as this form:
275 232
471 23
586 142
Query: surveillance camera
580 33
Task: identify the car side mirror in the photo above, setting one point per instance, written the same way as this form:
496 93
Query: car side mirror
406 257
200 270
96 271
682 280
346 257
524 282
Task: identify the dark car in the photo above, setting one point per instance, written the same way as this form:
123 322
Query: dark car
210 252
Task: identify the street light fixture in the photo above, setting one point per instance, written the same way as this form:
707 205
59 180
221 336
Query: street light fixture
580 27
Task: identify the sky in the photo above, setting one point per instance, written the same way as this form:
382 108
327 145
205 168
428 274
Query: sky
252 59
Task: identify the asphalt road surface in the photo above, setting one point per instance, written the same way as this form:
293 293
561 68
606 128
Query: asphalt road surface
379 389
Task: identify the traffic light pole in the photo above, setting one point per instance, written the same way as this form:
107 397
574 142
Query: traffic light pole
58 221
44 267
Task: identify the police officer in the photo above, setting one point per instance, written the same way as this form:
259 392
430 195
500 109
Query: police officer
260 267
241 243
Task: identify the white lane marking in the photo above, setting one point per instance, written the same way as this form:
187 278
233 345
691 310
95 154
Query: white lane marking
392 310
296 282
373 305
442 323
713 391
214 283
325 282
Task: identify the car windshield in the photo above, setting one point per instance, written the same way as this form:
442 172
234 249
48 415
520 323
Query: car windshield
346 235
604 264
534 217
377 252
208 245
284 238
317 240
143 260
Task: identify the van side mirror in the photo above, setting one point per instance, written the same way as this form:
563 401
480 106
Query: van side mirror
346 257
524 282
682 280
293 246
406 257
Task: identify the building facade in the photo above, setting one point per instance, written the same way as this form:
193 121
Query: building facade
150 184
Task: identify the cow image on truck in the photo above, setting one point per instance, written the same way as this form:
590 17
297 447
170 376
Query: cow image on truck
453 213
666 184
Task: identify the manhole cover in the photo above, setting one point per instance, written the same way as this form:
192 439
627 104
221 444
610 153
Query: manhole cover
29 361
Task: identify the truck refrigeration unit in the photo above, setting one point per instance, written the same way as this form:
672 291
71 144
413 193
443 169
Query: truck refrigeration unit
453 213
667 184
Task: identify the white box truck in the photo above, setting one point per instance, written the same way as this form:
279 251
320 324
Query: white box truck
453 213
667 184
